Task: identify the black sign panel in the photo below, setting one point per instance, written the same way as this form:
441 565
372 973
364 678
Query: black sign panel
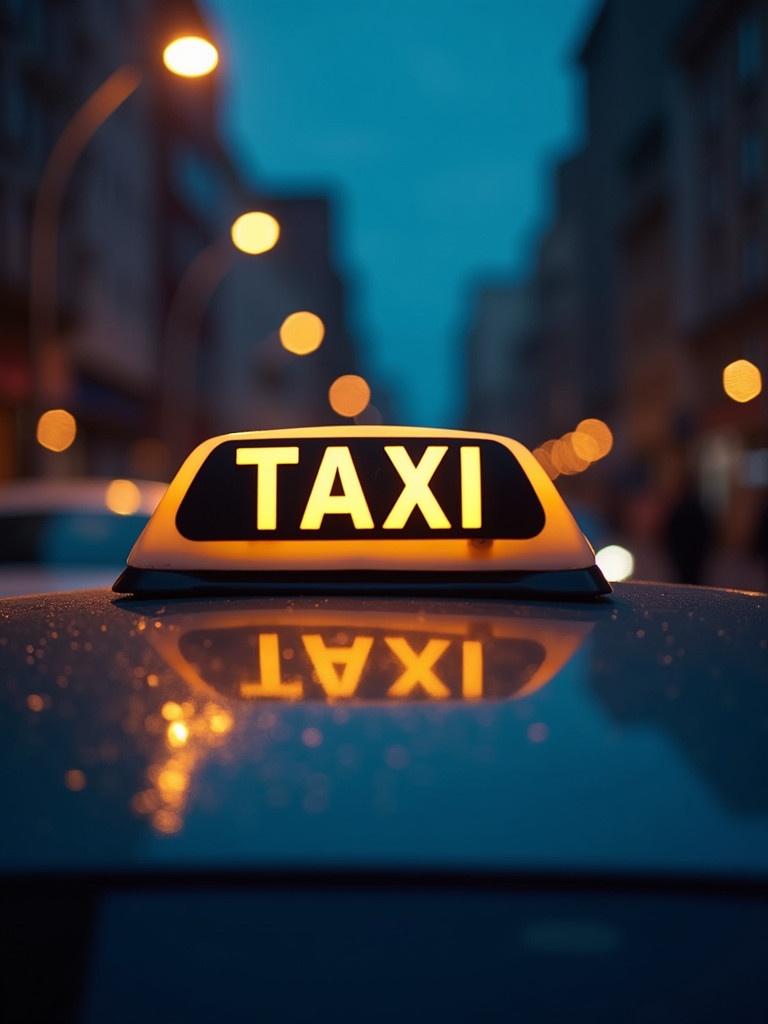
359 489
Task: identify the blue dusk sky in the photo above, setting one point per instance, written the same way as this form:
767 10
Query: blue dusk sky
433 123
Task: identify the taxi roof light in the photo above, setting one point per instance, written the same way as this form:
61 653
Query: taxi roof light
362 509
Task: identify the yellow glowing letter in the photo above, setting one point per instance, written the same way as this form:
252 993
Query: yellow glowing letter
418 667
471 488
271 684
472 669
337 460
325 659
416 490
267 460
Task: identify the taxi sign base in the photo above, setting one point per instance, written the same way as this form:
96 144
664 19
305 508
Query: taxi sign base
570 584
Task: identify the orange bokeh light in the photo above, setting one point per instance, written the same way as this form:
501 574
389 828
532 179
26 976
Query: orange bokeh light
349 395
742 380
123 497
56 430
565 458
600 433
302 333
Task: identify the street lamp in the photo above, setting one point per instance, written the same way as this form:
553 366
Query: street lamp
186 60
190 56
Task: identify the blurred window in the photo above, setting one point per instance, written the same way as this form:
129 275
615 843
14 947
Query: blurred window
750 48
70 538
751 159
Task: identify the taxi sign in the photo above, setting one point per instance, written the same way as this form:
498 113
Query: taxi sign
362 509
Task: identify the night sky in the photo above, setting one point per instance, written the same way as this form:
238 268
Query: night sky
433 124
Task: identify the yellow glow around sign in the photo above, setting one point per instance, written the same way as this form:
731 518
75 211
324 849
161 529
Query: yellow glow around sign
190 57
742 381
302 333
123 497
559 545
255 232
349 395
56 430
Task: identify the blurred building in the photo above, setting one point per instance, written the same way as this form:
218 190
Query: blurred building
252 381
132 357
652 273
498 367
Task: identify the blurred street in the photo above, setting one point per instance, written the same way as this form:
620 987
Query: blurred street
169 271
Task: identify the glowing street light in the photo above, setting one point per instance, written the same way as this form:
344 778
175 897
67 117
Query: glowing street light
190 57
185 60
255 232
742 381
349 395
302 333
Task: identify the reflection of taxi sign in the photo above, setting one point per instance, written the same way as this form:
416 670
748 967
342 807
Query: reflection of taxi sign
373 655
362 509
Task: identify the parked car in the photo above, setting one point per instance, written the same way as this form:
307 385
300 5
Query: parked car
71 533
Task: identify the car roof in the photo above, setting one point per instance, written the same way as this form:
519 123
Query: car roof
627 735
70 494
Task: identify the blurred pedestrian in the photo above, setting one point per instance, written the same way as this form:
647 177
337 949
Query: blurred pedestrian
687 533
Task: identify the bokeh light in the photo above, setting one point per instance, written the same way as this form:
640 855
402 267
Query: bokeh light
255 232
302 332
585 446
349 395
615 563
742 380
190 56
600 433
564 457
177 733
543 455
123 497
56 430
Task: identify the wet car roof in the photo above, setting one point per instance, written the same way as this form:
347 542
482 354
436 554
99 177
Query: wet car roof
251 733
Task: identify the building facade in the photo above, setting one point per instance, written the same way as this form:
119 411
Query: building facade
152 196
652 274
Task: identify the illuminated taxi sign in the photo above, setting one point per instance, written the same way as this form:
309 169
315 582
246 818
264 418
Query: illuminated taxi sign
385 509
382 487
